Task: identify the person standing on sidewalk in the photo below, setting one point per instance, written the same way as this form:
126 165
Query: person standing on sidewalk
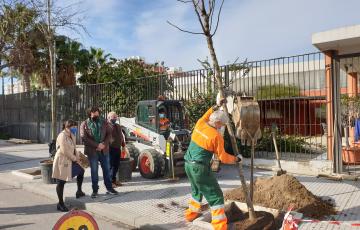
117 143
95 132
206 140
66 165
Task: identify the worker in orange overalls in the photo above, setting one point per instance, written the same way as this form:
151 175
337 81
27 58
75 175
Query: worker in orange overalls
163 120
206 140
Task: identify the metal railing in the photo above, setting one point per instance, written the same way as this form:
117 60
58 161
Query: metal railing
346 69
290 92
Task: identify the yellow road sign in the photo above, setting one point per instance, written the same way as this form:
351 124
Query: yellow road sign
76 220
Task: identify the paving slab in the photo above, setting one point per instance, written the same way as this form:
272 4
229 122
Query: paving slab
159 204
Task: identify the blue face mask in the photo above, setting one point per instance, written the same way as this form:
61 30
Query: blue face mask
161 115
73 130
113 121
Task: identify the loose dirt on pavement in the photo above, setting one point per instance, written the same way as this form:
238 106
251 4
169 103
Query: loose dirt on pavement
239 220
280 192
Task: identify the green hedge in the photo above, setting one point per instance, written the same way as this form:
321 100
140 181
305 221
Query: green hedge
4 136
285 143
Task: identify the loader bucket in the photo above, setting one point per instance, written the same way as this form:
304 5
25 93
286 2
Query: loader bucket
246 117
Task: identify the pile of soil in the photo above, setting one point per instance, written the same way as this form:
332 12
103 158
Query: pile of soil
280 192
240 221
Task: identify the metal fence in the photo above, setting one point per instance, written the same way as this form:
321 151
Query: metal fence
290 92
346 68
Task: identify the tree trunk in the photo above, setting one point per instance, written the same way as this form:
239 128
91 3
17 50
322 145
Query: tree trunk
53 93
51 46
26 82
2 82
218 79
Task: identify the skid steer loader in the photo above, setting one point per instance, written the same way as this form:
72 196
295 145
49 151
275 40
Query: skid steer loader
157 152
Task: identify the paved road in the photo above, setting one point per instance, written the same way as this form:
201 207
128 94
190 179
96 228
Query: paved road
27 211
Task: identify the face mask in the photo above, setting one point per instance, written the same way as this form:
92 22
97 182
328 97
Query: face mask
73 130
95 119
113 121
161 115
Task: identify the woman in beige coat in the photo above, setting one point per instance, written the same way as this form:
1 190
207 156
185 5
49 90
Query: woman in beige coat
65 165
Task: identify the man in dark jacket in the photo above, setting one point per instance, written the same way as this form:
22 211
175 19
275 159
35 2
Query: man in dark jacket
95 132
115 147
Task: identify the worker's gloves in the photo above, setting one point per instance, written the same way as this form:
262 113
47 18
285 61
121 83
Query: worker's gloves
239 158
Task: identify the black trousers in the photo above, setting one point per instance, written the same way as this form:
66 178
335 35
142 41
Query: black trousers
114 162
76 171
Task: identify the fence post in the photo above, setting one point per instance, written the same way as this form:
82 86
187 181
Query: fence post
3 99
37 115
227 80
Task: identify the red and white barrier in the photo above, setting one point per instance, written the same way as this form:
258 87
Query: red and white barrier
291 222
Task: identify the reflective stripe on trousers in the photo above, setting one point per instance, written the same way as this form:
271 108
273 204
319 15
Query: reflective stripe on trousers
219 220
193 211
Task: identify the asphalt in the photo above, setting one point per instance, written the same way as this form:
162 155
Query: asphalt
22 210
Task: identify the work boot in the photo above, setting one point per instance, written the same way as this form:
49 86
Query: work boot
112 191
190 215
79 194
62 208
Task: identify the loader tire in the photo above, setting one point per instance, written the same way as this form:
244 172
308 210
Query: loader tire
151 164
134 153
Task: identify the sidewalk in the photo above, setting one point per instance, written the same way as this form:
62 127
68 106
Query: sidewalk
159 204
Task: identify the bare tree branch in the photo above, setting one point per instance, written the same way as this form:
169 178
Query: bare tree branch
196 4
203 8
197 11
218 19
212 7
186 31
62 16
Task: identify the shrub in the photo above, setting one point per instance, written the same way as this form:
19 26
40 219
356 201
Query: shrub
286 143
4 136
277 91
198 104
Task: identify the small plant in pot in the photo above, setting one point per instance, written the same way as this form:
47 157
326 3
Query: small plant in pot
46 165
350 109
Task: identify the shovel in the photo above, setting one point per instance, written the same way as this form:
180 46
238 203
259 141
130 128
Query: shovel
279 170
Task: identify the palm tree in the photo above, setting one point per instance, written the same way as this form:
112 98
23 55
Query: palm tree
68 52
71 58
22 40
98 57
97 60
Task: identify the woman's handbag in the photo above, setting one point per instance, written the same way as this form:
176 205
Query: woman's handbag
83 160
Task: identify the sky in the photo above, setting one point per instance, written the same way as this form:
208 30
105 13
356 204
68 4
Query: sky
248 29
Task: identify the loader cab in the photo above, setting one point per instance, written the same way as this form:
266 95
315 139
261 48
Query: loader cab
147 114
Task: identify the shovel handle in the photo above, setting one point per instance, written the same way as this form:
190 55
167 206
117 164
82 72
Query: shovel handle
276 150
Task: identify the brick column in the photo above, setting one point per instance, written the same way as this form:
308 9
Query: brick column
329 98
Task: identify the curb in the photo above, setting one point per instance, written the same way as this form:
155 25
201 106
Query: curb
99 209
